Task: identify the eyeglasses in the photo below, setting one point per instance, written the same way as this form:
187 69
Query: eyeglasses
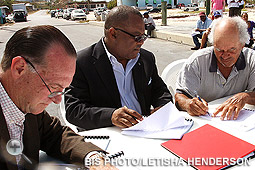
52 94
138 38
231 50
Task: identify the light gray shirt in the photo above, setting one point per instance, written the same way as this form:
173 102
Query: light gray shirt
200 74
125 82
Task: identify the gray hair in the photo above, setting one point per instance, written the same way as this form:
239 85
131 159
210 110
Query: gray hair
240 24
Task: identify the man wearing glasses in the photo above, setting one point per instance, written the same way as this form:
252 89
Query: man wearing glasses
226 68
38 63
116 81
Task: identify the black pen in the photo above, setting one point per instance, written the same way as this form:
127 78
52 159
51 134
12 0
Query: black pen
199 98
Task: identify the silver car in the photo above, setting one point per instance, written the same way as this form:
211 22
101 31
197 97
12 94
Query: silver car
78 14
67 13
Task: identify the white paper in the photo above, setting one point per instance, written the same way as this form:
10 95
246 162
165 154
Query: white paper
165 123
245 120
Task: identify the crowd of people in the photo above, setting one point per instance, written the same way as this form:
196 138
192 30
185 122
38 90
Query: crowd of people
114 82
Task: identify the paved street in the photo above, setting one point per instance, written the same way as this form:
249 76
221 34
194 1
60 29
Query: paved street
84 34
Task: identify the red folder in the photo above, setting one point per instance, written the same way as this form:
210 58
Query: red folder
209 148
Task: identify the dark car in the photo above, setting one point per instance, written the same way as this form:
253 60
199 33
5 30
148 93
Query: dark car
169 6
179 5
19 15
52 13
157 10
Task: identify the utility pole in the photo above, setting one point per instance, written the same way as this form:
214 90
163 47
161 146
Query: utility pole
208 4
164 13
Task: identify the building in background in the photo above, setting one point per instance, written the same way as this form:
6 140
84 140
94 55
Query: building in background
142 3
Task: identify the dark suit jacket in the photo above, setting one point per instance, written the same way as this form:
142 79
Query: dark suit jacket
94 93
42 132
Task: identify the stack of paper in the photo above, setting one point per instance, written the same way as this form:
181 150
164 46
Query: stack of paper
165 123
244 121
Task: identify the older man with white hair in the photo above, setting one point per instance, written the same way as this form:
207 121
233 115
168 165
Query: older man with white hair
226 68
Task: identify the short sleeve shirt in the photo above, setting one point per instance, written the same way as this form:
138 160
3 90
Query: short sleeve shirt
201 75
204 25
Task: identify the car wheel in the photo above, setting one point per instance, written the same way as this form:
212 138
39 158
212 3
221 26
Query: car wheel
186 9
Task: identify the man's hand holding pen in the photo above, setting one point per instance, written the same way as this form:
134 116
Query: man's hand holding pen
197 106
125 117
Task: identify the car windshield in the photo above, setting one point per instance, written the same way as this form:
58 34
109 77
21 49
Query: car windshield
78 11
71 10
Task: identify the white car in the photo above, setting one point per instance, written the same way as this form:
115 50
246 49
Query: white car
78 14
190 7
67 13
149 7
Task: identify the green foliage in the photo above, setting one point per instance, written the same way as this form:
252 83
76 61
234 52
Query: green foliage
6 3
112 4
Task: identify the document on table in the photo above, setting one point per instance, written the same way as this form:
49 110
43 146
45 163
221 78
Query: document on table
245 120
165 123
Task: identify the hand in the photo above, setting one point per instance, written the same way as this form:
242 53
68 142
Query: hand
196 107
124 117
232 105
103 166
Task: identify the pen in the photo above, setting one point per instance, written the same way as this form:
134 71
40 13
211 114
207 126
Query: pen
199 98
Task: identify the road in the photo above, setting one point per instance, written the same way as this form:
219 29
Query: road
84 34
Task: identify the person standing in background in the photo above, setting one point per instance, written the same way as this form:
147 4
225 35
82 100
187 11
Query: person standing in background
234 9
218 5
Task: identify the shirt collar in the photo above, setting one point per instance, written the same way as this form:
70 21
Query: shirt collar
240 63
11 112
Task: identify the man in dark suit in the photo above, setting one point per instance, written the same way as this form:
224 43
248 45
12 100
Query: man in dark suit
116 81
38 63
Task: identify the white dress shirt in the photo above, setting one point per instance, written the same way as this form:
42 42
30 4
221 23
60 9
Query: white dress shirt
125 82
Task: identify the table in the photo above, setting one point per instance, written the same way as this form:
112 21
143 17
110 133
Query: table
142 153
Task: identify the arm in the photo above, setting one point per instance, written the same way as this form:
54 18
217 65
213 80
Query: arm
84 104
160 93
94 100
193 106
61 142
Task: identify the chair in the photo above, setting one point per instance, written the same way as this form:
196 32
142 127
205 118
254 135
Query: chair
63 114
170 74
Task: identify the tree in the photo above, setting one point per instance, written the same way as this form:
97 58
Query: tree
6 3
112 4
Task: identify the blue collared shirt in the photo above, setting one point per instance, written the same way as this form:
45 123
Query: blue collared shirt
125 82
204 25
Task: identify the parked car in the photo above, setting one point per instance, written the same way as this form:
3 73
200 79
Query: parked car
59 13
98 11
86 10
19 15
9 18
149 7
78 14
157 10
67 13
52 13
247 5
190 7
168 6
179 5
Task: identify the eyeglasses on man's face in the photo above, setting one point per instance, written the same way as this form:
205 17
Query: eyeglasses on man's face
137 38
52 94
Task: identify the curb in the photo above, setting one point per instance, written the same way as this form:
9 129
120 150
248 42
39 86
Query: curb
165 35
